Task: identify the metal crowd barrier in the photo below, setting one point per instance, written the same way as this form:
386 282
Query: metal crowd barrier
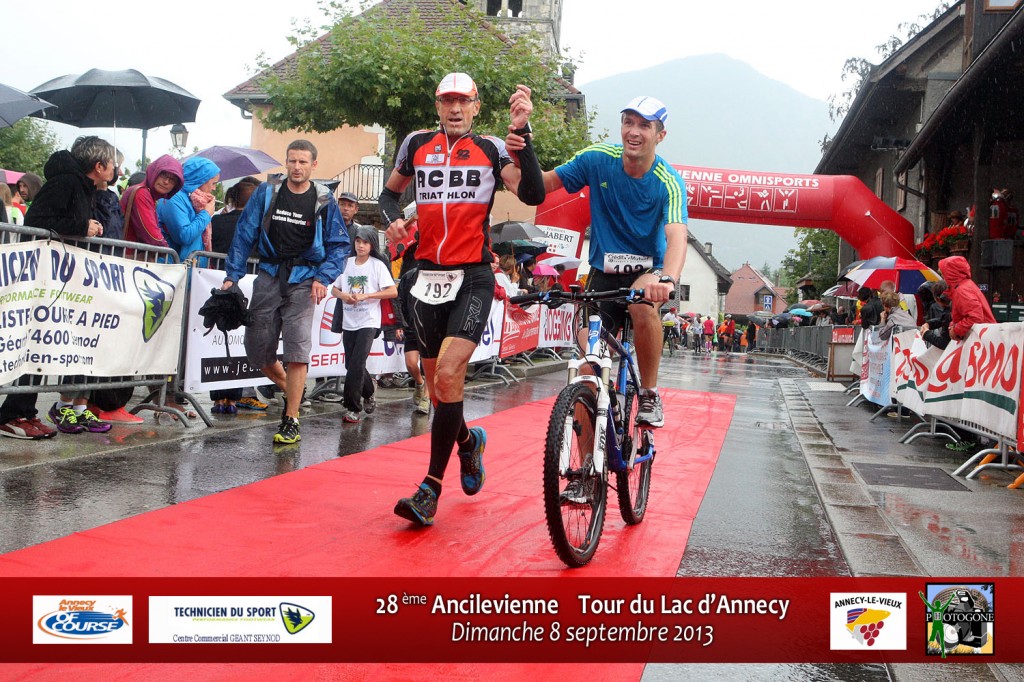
55 383
807 345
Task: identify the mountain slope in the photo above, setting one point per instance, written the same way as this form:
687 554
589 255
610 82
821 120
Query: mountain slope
723 114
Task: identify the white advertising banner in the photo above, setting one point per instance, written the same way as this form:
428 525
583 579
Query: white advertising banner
259 620
67 311
876 384
207 366
977 380
561 241
556 326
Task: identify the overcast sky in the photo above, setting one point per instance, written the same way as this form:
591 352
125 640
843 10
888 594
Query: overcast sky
209 47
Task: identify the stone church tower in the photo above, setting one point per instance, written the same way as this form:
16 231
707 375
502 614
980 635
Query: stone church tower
542 18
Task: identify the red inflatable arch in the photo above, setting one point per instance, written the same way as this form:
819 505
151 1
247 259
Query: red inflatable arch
841 203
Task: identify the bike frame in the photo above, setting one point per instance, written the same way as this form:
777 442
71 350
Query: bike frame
608 441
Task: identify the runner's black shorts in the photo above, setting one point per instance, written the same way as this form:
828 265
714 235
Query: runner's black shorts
465 318
612 313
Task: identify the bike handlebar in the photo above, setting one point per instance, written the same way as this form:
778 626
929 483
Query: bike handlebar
553 299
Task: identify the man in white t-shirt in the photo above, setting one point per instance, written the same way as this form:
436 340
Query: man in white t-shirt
365 282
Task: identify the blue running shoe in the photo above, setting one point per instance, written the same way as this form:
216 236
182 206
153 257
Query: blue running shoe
420 508
472 462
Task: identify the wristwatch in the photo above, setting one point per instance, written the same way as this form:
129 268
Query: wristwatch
662 277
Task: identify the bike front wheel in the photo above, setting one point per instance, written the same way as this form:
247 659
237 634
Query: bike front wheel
575 494
633 484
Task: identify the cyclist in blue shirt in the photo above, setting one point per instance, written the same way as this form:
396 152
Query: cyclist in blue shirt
637 232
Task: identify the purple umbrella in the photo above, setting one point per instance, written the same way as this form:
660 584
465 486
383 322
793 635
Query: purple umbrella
237 162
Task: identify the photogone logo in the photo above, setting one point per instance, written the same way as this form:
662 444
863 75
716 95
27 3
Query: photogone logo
960 618
868 620
81 619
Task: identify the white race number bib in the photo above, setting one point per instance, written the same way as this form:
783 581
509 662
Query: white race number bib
434 287
626 263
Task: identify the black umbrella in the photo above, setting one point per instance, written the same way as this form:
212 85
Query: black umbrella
515 229
16 105
519 247
127 99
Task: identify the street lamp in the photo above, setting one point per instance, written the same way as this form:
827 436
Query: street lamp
179 136
810 252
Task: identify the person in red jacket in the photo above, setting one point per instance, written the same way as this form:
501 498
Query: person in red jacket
969 304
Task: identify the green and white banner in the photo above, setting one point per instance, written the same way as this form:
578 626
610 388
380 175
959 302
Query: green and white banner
67 311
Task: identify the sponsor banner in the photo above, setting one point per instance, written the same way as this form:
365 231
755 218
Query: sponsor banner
977 380
842 334
520 337
876 376
207 366
556 326
82 619
240 620
561 241
522 620
67 311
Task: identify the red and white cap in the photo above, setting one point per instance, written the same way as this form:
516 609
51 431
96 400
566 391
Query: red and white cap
456 84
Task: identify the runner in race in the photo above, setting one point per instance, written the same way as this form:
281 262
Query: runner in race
637 232
456 173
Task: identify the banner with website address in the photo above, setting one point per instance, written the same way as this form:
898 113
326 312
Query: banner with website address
67 311
208 367
977 380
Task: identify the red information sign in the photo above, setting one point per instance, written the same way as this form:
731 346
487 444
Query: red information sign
519 337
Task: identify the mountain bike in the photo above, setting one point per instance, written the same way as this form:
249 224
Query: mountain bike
592 432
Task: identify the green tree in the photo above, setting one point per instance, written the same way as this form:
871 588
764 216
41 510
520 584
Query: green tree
857 69
27 145
816 254
383 66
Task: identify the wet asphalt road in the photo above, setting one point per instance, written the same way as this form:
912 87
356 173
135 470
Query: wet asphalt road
762 514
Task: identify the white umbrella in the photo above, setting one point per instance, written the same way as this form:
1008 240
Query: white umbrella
568 261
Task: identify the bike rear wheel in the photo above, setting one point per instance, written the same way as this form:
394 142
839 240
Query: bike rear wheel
633 485
575 498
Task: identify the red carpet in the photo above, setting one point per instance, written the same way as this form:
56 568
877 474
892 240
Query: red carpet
335 519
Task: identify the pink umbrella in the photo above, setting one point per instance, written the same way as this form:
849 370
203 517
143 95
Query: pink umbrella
9 176
541 270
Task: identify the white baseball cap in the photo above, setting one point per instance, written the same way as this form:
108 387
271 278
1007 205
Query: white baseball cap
456 84
648 108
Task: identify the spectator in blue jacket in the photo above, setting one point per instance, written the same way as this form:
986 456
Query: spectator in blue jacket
185 217
302 245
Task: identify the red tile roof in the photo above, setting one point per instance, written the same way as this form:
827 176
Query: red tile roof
747 286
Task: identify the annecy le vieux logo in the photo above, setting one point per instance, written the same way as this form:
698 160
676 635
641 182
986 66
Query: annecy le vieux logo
868 621
81 619
960 618
157 296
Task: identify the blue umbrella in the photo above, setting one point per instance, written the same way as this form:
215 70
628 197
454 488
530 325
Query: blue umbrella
802 312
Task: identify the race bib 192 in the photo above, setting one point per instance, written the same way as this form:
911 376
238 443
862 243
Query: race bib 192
434 287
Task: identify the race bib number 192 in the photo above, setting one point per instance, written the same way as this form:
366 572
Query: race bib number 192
434 287
626 263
